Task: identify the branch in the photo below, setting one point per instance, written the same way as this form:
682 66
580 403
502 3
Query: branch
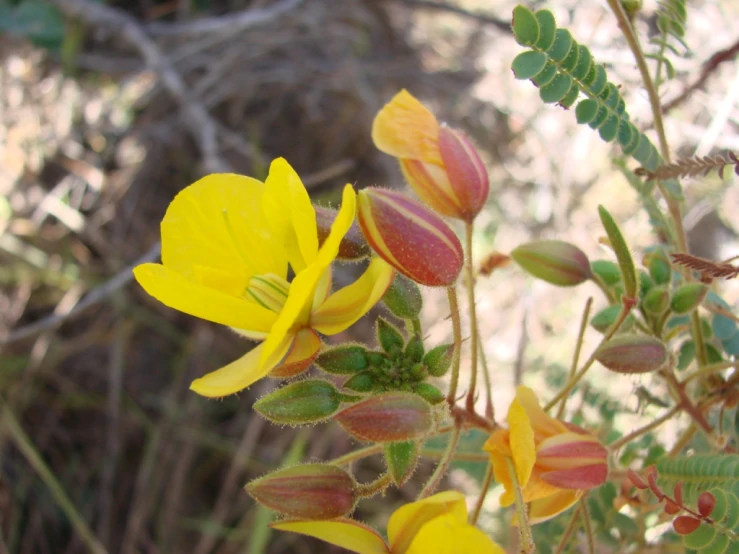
500 24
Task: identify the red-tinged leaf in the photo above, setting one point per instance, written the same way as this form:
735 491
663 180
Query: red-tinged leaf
678 493
671 508
706 502
684 525
652 480
637 481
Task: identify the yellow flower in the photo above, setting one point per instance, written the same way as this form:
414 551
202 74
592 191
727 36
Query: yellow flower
554 461
227 241
434 525
440 163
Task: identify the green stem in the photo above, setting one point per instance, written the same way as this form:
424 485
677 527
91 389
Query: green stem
443 466
468 231
615 445
487 480
457 335
524 528
587 524
571 526
489 408
578 349
367 490
708 370
35 460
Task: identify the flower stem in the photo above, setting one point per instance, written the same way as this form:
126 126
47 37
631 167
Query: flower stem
615 445
587 524
457 335
470 402
367 490
441 469
571 526
578 349
527 541
485 487
489 408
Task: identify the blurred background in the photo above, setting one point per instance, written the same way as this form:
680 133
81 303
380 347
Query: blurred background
108 108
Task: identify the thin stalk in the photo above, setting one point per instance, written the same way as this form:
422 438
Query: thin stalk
443 466
373 487
35 460
708 370
615 445
469 270
588 526
571 526
578 349
489 408
684 440
686 403
457 335
527 541
487 480
437 454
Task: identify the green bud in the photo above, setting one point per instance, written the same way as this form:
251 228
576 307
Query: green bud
361 382
377 359
554 261
686 355
623 254
418 371
659 269
343 360
414 349
389 337
608 271
657 300
429 393
387 417
603 320
645 283
631 7
438 360
401 459
298 403
688 297
308 491
403 298
632 354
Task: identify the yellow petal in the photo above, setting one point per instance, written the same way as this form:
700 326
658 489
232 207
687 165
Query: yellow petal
547 508
544 426
406 521
287 206
521 440
340 227
303 351
175 291
447 535
347 305
239 374
344 533
217 223
405 128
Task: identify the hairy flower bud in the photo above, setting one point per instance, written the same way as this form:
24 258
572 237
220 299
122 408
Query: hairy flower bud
298 403
553 261
410 237
656 300
403 298
438 360
345 359
388 417
632 354
310 491
688 297
353 246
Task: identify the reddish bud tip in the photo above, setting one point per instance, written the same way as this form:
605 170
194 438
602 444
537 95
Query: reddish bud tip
684 525
706 502
468 176
309 491
393 416
632 353
636 480
410 237
353 246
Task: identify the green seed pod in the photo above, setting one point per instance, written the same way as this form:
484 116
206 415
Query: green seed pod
403 298
659 269
438 360
429 393
299 403
623 254
361 382
608 271
688 297
554 261
389 337
308 491
632 354
603 320
343 360
401 459
388 417
657 300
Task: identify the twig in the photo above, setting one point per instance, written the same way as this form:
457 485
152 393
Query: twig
499 24
199 122
95 296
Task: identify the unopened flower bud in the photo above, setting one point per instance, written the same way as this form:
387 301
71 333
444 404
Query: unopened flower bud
575 460
299 403
429 393
308 491
389 337
688 297
656 300
438 360
401 459
353 246
553 261
632 354
608 271
388 417
410 237
361 382
343 360
403 298
659 269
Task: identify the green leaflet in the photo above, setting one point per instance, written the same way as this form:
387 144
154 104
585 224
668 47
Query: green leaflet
562 69
671 19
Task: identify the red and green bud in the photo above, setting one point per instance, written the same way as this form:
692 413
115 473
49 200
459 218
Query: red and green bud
438 360
467 174
353 246
575 460
554 261
300 403
343 360
388 417
309 491
632 354
401 459
403 298
410 237
688 297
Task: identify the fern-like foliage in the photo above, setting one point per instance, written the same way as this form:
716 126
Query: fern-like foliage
671 19
562 69
700 473
692 167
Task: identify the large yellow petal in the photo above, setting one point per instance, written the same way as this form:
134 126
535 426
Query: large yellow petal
287 206
175 291
521 440
405 128
406 521
347 305
217 223
447 535
544 425
239 374
547 508
345 533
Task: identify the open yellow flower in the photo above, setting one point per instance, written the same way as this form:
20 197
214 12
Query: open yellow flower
554 461
434 525
227 242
